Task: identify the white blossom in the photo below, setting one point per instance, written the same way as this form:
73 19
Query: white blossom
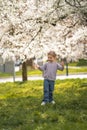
20 34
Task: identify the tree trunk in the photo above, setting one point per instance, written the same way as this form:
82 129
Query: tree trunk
24 71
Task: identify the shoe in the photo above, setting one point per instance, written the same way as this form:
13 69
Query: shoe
53 102
43 103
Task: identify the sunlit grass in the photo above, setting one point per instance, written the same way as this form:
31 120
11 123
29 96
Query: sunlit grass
81 68
70 70
33 72
4 75
20 106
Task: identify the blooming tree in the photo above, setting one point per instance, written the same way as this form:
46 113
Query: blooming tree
30 28
26 31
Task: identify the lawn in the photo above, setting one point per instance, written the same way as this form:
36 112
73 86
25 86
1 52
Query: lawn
20 107
78 70
73 68
33 72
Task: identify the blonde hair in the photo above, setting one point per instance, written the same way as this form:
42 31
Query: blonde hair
52 53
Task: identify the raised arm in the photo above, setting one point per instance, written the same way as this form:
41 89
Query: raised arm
42 68
60 66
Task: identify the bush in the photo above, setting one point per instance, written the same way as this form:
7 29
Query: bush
82 62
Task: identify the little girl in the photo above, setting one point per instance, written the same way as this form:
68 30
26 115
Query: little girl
49 73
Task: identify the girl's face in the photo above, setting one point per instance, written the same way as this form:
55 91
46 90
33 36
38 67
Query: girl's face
51 58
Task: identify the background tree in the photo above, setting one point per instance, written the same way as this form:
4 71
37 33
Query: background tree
79 7
30 28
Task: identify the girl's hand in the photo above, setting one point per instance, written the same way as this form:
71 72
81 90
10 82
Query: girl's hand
62 63
36 66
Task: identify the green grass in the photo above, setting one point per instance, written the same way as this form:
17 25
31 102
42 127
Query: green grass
4 75
33 72
81 62
20 106
81 68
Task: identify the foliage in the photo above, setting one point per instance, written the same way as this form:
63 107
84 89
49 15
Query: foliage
82 62
30 28
79 7
20 106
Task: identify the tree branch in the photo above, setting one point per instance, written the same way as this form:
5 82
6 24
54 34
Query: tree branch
34 36
75 3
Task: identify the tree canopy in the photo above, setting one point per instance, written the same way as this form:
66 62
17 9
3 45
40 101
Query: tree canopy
30 28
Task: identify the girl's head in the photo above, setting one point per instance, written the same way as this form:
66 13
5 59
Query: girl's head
51 56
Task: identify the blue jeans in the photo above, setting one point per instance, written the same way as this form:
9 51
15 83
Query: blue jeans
48 90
